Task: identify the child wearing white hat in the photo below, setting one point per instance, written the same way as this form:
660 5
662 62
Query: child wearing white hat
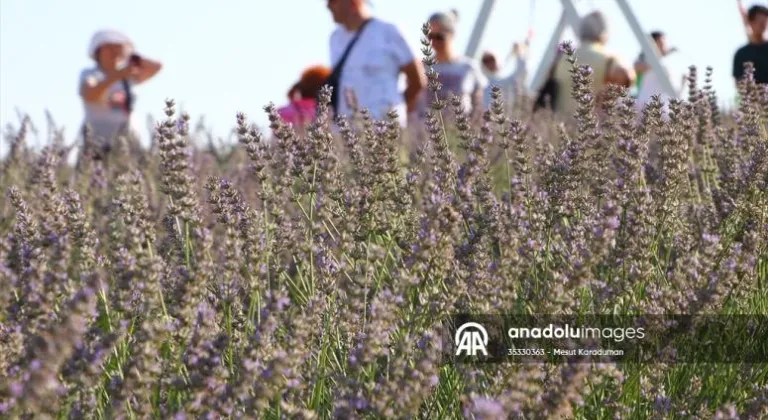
106 88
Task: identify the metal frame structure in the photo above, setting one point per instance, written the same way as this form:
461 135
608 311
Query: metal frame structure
570 17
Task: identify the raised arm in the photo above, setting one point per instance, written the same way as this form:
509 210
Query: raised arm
745 19
145 70
519 75
520 50
93 85
93 89
520 53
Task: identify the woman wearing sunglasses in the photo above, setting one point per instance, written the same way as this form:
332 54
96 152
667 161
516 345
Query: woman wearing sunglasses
457 74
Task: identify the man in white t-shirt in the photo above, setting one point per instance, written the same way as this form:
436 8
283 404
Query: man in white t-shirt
652 83
372 69
509 83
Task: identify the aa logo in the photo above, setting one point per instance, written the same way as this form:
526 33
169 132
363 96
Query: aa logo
471 338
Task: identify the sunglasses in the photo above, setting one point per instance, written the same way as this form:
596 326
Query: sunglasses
437 37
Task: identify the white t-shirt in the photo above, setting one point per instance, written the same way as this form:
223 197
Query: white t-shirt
651 84
461 78
372 69
109 116
508 83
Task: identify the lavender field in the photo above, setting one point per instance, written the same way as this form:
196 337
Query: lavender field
306 275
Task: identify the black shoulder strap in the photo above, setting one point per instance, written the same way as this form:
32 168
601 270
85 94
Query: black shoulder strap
337 68
335 77
550 90
128 95
552 69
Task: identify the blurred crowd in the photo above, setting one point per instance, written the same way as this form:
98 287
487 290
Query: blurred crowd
368 57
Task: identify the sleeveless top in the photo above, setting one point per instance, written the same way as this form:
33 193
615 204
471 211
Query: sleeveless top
110 116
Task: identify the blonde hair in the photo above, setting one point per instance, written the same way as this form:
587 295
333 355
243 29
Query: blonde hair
447 20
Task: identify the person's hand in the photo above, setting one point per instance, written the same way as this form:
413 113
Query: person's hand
130 72
127 72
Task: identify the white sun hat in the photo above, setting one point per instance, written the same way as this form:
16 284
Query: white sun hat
108 36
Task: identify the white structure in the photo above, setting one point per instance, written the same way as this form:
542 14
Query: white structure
570 17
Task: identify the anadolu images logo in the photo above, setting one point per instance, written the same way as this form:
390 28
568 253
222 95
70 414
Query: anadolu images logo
470 338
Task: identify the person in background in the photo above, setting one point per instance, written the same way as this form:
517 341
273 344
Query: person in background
607 68
756 51
745 19
302 97
457 74
371 67
107 88
651 84
507 83
642 66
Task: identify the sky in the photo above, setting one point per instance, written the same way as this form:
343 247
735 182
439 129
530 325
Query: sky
227 56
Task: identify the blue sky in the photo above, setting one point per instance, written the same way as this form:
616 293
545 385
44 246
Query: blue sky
226 56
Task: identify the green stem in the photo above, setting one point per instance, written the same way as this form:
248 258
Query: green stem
268 238
103 297
160 288
309 231
187 246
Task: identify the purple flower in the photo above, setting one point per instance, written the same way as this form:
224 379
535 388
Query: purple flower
434 380
358 403
566 47
16 389
282 302
662 404
487 409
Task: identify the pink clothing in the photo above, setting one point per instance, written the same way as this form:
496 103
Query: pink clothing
298 112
